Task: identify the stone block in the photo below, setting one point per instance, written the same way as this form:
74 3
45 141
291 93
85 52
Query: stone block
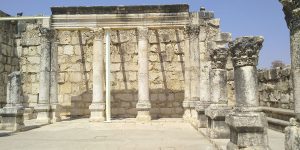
247 130
68 50
292 135
12 118
75 77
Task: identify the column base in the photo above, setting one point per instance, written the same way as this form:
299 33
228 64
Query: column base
200 108
143 116
248 130
12 118
217 128
97 112
55 113
292 135
43 113
143 111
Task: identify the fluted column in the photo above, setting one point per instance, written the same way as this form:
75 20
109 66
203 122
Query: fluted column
291 9
98 105
248 125
43 106
143 106
217 111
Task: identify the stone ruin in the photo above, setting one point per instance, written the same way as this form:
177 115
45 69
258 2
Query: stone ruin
164 62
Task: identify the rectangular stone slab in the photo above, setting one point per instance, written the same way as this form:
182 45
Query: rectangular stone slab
121 9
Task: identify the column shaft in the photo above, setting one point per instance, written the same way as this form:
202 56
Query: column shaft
295 69
43 106
143 105
98 105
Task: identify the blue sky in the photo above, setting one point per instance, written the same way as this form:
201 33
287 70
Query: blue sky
240 17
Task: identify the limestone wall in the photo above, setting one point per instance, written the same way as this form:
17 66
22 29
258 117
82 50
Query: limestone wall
8 55
165 69
275 88
29 45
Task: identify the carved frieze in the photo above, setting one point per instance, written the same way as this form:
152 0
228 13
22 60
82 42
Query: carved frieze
245 50
218 58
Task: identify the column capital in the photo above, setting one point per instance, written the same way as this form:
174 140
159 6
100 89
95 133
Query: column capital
47 33
245 50
142 32
98 33
192 31
218 57
291 9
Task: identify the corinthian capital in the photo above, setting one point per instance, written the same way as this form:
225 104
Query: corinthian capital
192 31
218 58
98 33
291 9
142 32
245 50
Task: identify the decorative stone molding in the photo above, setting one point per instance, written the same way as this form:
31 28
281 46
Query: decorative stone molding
192 31
244 50
291 9
218 58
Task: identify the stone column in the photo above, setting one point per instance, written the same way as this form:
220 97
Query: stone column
55 107
43 107
12 113
291 8
143 106
248 125
192 31
216 112
98 104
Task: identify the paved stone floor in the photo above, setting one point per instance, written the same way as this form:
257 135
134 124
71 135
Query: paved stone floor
168 134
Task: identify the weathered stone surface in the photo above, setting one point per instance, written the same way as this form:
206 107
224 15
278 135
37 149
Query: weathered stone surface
248 126
12 114
292 135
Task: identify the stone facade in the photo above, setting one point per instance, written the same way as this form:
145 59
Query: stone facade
9 61
275 88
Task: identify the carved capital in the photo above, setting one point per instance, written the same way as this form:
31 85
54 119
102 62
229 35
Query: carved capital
98 33
291 9
142 32
245 50
192 31
218 58
46 33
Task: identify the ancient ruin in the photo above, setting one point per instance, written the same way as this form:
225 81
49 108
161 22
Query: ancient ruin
147 62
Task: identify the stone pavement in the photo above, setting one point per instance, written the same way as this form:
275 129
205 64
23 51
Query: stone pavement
80 134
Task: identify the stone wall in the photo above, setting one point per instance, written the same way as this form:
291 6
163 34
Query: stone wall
165 69
8 55
29 45
275 88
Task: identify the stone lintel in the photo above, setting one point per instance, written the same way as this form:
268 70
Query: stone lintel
176 8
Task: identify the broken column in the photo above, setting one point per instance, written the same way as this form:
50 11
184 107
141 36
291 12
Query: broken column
143 106
12 113
216 112
55 107
193 72
248 125
291 8
43 106
98 105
